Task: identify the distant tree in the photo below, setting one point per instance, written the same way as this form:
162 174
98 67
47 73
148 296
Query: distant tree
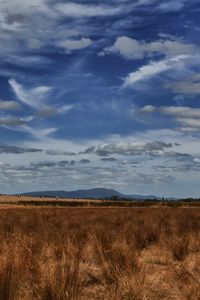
114 198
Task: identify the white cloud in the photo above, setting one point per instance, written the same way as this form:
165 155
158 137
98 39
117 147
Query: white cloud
171 6
71 9
47 111
187 117
148 109
50 111
127 47
133 49
189 86
33 61
181 111
153 69
9 105
70 45
11 121
65 108
34 43
127 148
24 7
175 111
37 133
189 123
31 97
18 18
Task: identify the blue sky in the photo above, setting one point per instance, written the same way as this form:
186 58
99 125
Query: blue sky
100 94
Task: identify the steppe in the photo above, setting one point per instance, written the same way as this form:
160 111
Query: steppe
119 253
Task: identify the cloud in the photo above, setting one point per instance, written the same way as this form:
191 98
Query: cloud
47 111
177 156
84 161
10 149
153 69
127 47
51 164
31 97
133 49
11 121
70 45
189 124
65 108
190 86
175 111
34 43
17 16
33 61
153 178
181 111
187 117
44 164
192 164
9 105
171 6
19 7
77 10
108 159
148 109
50 111
72 162
59 152
38 133
128 148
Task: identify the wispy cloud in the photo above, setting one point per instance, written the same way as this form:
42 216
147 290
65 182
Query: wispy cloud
153 69
9 105
11 121
188 86
11 149
72 9
171 6
187 117
31 97
70 45
38 133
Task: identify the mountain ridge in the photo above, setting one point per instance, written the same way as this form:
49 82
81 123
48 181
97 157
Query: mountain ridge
95 193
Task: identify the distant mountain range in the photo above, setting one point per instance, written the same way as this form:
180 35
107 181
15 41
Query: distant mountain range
96 193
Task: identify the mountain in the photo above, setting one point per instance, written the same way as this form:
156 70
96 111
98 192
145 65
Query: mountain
95 193
92 193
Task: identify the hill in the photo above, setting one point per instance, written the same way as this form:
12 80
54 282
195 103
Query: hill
96 193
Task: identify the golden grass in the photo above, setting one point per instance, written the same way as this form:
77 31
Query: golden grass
93 253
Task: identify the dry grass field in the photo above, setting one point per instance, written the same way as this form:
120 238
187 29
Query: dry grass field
99 253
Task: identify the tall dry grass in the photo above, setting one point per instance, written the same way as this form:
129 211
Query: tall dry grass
93 253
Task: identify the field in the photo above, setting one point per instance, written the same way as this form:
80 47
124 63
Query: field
10 201
53 253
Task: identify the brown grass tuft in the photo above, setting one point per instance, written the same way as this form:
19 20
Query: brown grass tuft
103 254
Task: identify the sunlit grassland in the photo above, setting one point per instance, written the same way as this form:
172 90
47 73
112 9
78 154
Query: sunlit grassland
99 253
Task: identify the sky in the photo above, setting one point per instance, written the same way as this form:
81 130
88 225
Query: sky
100 94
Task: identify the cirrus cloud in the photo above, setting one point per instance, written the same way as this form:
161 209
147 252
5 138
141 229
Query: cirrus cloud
153 69
70 45
31 97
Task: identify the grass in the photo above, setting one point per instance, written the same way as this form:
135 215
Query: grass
99 253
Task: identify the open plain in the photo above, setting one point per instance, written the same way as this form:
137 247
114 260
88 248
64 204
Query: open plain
93 253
